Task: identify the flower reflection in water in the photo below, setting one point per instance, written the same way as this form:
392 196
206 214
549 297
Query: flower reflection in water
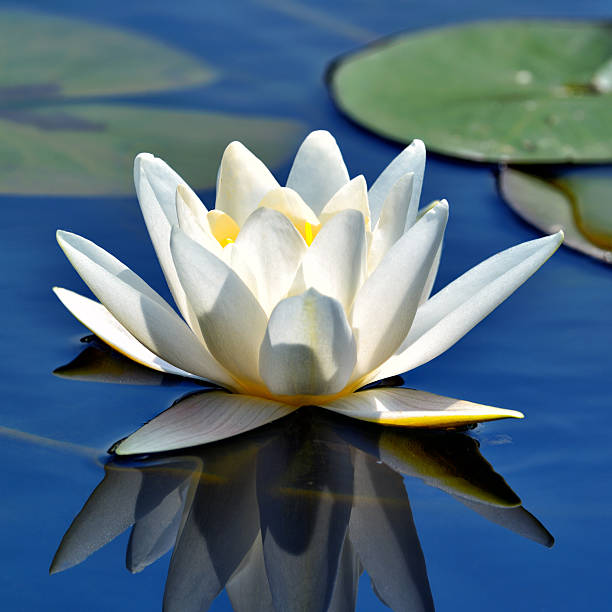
288 517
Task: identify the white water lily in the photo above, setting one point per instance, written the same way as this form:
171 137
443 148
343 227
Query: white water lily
292 296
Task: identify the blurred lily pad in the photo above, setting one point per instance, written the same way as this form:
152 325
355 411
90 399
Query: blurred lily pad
89 149
579 201
515 91
57 141
46 56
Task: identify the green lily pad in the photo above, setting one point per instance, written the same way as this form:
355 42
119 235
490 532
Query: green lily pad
89 149
45 56
514 91
54 142
577 201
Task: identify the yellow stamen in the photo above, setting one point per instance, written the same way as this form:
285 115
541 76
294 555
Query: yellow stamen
226 241
308 233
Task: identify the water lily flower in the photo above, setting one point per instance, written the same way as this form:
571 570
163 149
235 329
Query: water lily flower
293 296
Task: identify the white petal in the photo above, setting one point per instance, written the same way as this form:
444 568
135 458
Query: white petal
308 348
399 406
397 215
290 203
335 264
156 185
318 170
242 182
273 249
192 220
201 418
453 311
352 195
140 310
386 303
411 159
230 318
102 323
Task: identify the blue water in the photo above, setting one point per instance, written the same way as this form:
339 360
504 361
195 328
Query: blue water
546 351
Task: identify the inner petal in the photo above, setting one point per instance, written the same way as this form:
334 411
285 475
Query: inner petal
222 227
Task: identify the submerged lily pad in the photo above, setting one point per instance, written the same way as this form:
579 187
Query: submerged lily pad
577 201
517 91
56 142
45 56
89 149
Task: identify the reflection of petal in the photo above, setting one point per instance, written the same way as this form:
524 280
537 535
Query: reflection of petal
206 555
413 408
304 490
248 588
101 322
203 417
450 462
344 598
518 520
124 496
385 538
155 534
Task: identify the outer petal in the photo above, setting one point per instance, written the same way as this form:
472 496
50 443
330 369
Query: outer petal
352 195
101 322
231 320
140 310
398 213
201 418
308 347
335 263
273 249
454 310
411 159
386 303
242 182
156 185
399 406
318 170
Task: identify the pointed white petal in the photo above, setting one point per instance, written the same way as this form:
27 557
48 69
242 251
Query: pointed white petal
411 159
273 249
290 203
335 264
230 318
193 221
202 418
399 406
242 182
156 185
308 347
385 305
352 195
398 214
453 311
101 322
318 170
431 277
140 310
